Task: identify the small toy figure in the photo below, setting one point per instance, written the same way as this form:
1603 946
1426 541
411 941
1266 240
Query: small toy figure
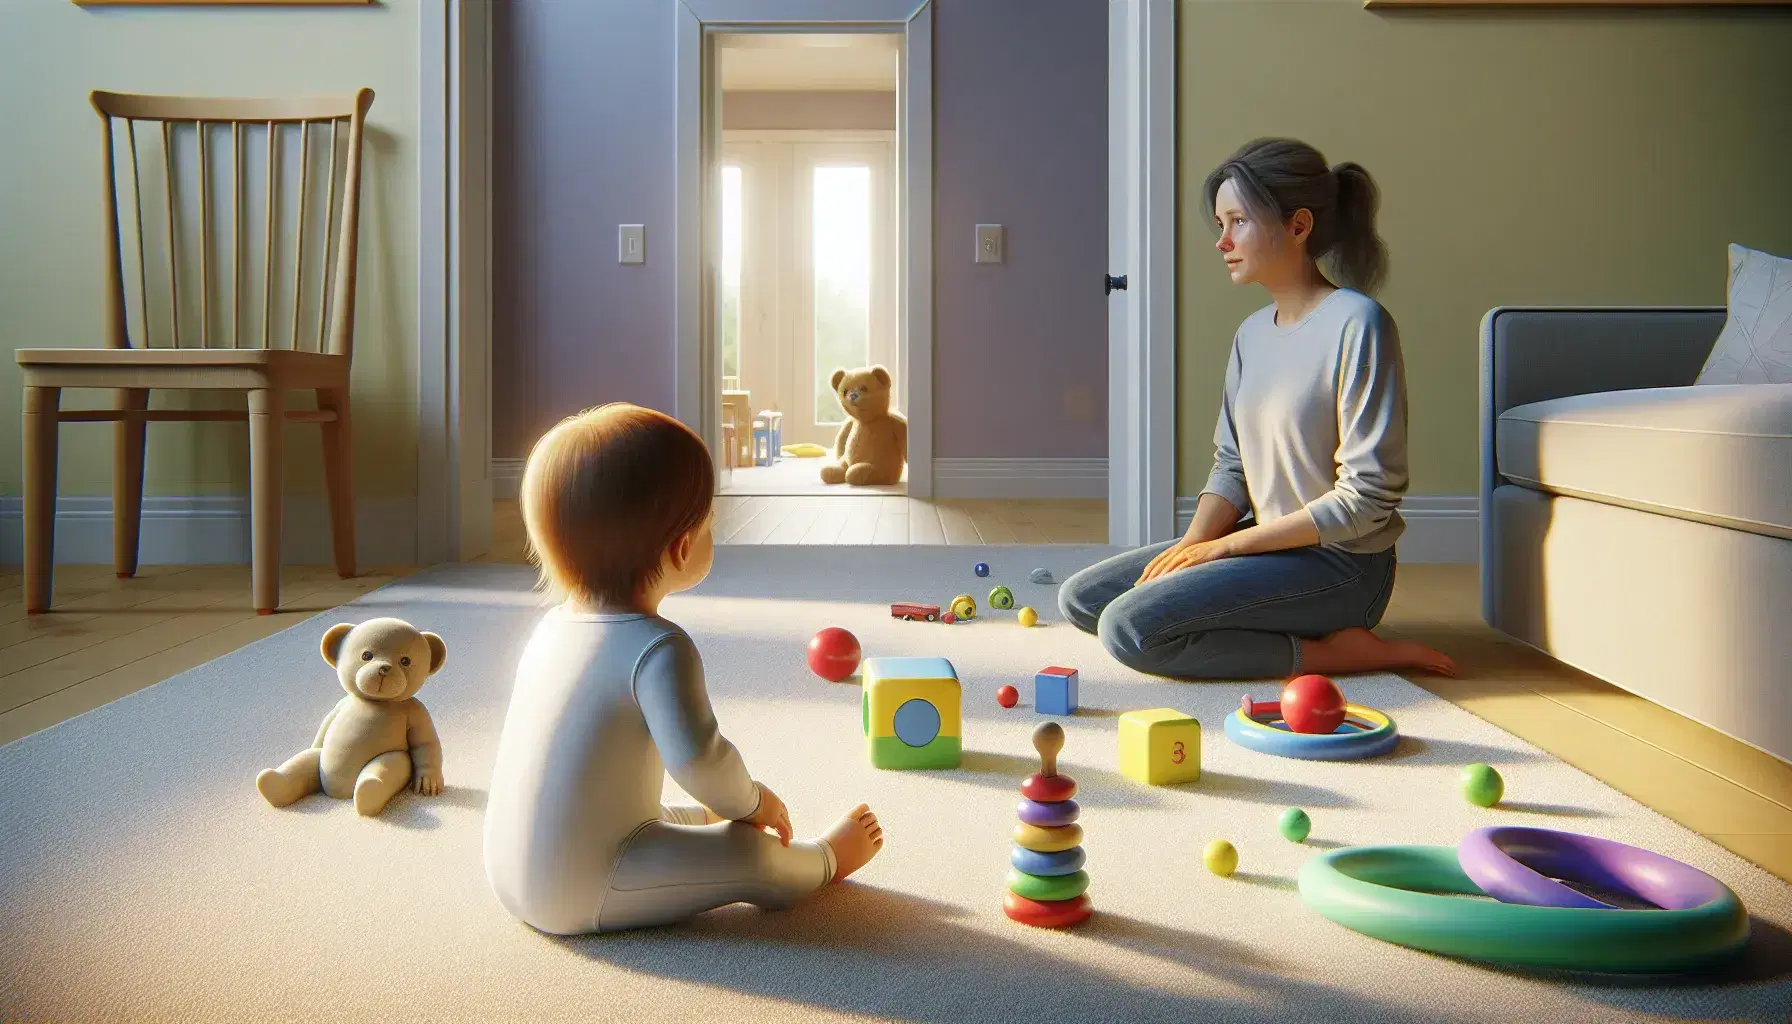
377 739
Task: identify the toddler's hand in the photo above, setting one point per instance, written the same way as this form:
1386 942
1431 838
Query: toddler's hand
772 814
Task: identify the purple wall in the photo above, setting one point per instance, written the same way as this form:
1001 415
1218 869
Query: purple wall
583 94
1020 115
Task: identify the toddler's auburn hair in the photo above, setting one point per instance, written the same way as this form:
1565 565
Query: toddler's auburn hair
605 493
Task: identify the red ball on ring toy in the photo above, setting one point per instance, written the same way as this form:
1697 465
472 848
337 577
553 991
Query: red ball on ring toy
1007 696
834 654
1312 704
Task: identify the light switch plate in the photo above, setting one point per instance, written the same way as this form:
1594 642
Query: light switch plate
990 248
631 243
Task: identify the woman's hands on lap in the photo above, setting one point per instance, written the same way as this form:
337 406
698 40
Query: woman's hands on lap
1183 554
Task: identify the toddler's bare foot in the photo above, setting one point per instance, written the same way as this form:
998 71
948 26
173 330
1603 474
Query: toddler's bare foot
856 838
1359 650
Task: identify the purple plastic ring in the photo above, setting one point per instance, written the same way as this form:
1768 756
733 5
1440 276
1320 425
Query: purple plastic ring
1519 864
1048 815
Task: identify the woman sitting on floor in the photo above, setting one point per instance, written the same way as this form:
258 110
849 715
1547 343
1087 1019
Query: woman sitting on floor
1289 562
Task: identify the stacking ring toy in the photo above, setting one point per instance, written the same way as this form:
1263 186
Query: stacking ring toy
1392 893
1366 732
1517 864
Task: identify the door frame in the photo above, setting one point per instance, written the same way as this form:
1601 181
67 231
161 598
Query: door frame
698 399
1142 247
454 281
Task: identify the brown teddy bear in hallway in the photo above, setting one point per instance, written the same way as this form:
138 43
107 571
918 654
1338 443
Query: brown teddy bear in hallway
379 737
872 446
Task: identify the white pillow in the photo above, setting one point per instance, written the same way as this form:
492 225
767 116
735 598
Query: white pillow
1755 346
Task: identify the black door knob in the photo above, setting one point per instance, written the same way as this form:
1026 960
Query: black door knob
1115 283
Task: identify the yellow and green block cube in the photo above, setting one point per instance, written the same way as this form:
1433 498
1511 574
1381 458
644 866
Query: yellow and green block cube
912 712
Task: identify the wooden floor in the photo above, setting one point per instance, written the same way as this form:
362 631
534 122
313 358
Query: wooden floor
110 637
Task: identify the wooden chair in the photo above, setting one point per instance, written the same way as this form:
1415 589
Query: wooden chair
277 340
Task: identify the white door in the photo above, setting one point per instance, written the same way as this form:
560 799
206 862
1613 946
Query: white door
808 276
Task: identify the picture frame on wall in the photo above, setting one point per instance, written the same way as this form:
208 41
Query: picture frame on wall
1532 4
224 3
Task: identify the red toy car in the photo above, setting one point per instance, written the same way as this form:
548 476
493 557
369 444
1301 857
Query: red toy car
910 612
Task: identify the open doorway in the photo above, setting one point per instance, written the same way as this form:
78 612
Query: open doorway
807 183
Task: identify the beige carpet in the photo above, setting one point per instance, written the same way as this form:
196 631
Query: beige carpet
142 878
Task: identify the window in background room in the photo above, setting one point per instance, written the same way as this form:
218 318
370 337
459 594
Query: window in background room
731 250
841 332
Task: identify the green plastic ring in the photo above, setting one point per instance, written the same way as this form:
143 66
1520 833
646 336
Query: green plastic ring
1046 888
1390 893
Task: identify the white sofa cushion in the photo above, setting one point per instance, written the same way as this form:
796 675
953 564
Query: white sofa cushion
1714 453
1755 346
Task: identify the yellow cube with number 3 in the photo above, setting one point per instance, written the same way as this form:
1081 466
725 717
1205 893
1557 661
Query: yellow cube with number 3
1160 747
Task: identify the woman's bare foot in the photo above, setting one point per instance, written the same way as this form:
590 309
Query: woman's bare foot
1359 650
856 838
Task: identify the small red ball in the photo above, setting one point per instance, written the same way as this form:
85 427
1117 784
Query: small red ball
1007 696
1312 704
834 654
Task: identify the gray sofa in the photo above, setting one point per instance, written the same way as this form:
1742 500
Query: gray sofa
1633 524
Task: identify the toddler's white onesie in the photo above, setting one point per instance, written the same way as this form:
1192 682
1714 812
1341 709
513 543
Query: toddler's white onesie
576 840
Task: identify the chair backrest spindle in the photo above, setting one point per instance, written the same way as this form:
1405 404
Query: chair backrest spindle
323 279
205 237
173 239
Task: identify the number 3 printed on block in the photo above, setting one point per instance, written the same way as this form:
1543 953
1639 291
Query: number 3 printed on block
1177 756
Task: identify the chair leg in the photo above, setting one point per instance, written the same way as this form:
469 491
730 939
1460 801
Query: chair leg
339 477
267 423
40 428
129 438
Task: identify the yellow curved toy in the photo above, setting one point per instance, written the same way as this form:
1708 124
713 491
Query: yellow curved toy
964 607
804 450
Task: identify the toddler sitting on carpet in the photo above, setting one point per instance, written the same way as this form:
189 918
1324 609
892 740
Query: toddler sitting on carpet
609 697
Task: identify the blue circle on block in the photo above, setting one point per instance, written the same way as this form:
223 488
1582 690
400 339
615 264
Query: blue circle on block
1063 862
981 568
917 722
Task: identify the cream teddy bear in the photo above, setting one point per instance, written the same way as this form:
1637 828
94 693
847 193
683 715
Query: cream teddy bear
379 737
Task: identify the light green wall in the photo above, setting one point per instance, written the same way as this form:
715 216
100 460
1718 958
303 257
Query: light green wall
55 52
1525 157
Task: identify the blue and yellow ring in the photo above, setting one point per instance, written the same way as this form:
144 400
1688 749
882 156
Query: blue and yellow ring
1366 732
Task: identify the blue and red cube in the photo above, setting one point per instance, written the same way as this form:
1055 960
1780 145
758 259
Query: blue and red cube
1054 691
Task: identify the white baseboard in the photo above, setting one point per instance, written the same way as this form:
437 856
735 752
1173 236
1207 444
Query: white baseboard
215 531
1020 478
507 478
1439 528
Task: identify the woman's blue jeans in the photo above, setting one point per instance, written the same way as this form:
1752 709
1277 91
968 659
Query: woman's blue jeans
1234 618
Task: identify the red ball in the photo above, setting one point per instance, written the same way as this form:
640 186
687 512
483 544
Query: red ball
1007 696
1312 704
834 654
